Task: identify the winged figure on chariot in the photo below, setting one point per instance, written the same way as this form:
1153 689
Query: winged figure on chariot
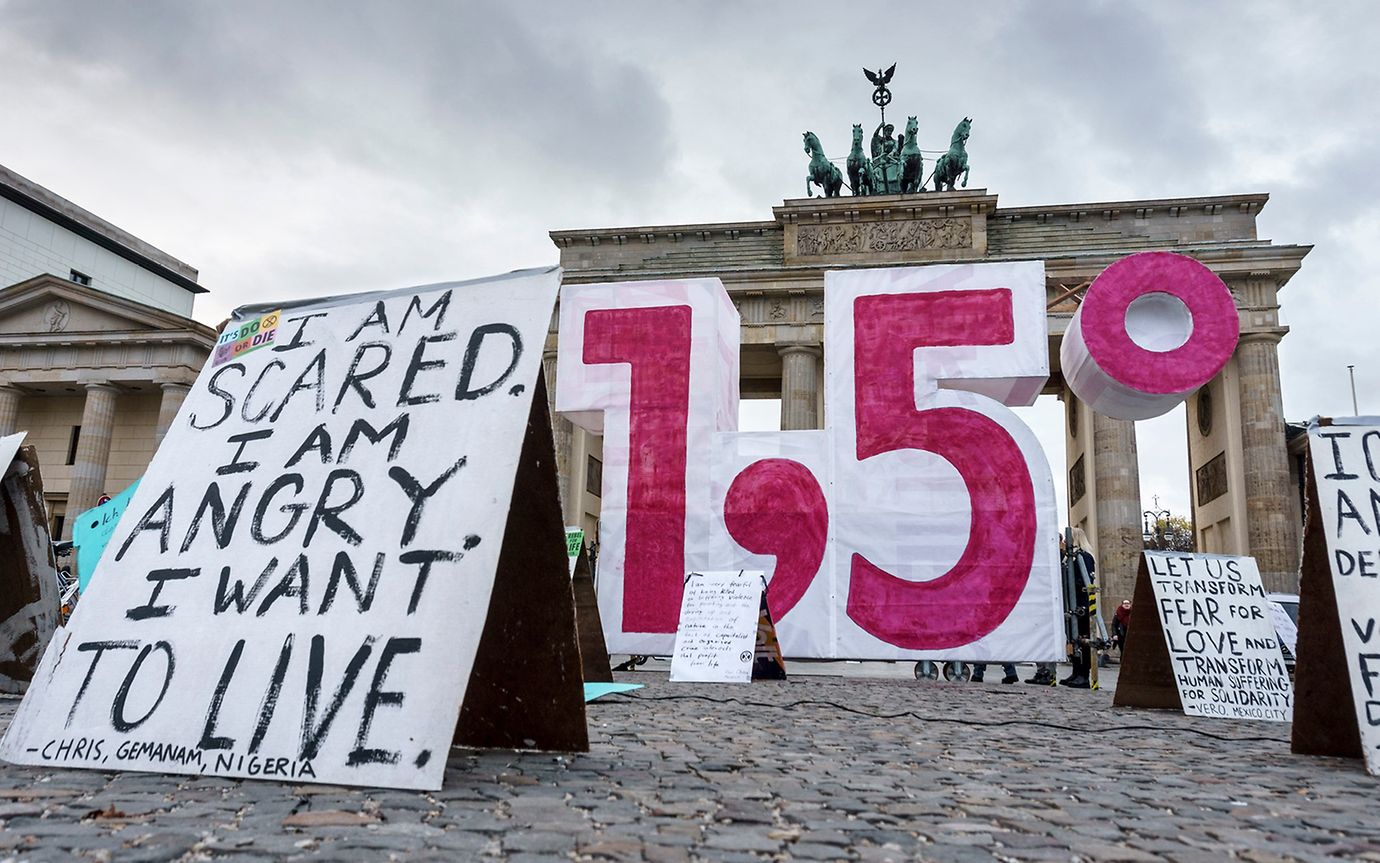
893 164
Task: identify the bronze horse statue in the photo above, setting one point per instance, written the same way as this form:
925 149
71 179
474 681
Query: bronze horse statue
823 172
912 163
954 162
859 166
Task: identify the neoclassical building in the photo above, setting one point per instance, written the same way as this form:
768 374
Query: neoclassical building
97 349
1243 498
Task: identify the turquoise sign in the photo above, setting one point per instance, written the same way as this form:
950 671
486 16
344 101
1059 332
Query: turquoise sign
93 531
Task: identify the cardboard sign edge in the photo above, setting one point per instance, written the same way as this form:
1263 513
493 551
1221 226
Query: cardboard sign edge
1325 721
1150 682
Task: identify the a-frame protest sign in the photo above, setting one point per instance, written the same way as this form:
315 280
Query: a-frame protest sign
1338 653
594 652
1201 640
351 528
29 600
1146 677
527 675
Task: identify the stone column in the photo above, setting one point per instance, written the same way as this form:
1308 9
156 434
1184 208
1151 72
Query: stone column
799 386
1273 535
173 396
563 433
9 410
1116 484
93 452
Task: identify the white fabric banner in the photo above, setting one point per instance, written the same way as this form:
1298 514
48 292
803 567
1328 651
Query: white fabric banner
922 526
945 528
654 366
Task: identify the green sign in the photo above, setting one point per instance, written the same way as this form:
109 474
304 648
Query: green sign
574 541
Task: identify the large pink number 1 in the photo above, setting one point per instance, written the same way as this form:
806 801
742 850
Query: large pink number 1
982 588
655 343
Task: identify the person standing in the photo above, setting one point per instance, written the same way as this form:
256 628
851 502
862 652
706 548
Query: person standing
1121 621
980 669
1083 568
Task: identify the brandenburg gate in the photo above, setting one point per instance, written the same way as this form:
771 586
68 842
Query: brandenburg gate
1243 498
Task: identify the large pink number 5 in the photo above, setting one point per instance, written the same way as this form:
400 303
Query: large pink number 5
977 594
655 343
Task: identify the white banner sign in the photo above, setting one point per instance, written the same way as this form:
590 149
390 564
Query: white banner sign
298 587
717 634
1221 638
1346 464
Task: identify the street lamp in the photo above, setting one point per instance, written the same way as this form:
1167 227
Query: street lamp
1152 526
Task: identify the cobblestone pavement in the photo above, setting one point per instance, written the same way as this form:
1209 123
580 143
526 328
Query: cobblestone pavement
774 774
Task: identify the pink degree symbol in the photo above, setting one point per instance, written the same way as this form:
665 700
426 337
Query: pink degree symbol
775 506
1214 332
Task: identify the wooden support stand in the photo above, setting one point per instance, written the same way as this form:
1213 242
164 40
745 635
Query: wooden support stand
526 690
1147 675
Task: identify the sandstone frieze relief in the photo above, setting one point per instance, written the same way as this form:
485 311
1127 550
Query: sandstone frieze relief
909 236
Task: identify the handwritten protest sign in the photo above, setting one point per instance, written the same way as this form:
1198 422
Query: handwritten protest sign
1209 648
717 634
299 586
1286 627
1220 636
1339 596
93 529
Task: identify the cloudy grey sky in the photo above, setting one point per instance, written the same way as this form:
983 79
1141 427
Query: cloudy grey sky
291 149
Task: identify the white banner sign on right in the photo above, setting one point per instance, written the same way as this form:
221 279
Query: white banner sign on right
1346 464
1222 644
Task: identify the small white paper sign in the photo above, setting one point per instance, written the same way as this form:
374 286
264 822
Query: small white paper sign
298 587
1346 464
1285 626
717 635
9 448
1221 637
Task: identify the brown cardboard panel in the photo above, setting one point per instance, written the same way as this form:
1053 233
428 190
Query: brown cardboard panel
1147 675
28 586
1324 713
594 654
526 690
767 662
